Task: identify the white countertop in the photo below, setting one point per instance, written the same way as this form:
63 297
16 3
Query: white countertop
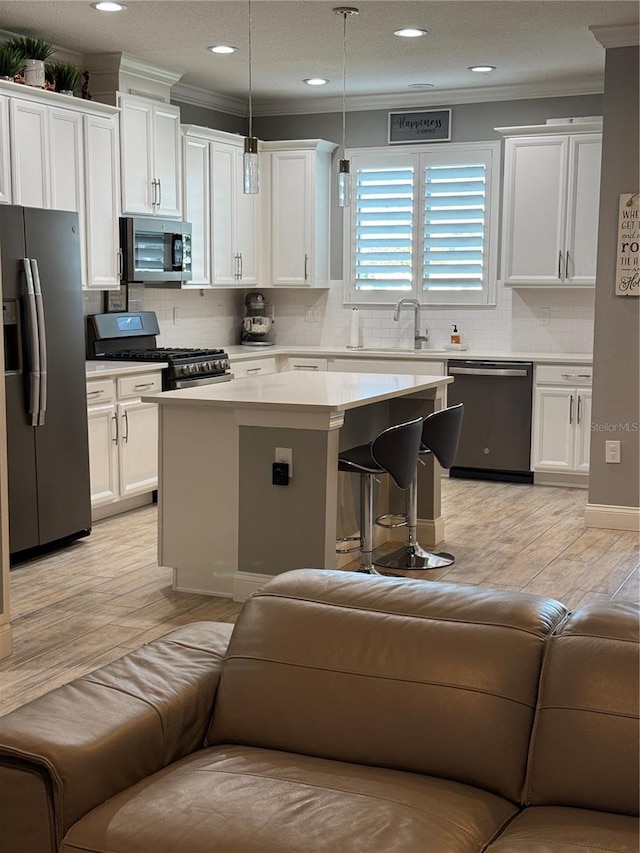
242 353
321 392
102 369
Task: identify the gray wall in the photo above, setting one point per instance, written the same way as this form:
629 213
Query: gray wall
203 117
616 351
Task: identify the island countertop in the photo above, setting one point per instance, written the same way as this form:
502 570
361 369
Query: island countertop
316 392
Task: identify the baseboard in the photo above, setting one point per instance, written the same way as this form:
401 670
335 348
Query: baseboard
612 517
244 583
565 478
6 641
118 507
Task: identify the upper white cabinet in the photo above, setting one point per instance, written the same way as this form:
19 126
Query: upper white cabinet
225 237
296 181
62 153
551 206
150 157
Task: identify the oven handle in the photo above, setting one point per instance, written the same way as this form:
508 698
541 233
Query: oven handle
176 384
477 371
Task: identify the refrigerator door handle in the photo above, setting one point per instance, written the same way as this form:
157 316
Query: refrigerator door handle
42 340
34 346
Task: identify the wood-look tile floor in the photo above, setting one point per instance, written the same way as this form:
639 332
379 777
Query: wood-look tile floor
79 608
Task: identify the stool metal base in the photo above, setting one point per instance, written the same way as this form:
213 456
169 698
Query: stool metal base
414 557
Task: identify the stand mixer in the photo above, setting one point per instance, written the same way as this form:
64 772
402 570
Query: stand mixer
257 322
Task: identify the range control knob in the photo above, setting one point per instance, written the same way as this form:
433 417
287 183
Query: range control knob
184 370
205 367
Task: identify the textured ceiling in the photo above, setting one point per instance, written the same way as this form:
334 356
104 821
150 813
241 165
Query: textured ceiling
538 46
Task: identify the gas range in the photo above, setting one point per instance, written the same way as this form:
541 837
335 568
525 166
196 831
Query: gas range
131 336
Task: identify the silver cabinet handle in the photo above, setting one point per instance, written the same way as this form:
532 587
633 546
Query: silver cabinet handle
116 436
477 371
560 265
42 340
306 367
306 267
125 437
566 265
34 347
571 409
579 402
120 265
159 193
254 369
94 393
143 385
576 375
236 260
240 270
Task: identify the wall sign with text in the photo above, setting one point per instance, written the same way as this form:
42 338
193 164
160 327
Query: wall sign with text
420 126
627 254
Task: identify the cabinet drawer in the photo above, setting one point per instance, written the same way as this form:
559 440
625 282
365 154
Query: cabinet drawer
306 363
254 367
141 383
368 365
100 391
563 374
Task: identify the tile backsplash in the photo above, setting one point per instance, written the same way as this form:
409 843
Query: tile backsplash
522 320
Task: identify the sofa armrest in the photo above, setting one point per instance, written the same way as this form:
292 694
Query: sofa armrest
66 752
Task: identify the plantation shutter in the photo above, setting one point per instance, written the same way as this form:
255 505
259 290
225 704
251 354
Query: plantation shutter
384 228
455 227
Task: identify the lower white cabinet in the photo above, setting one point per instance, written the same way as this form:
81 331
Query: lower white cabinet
561 419
254 367
123 437
419 367
312 365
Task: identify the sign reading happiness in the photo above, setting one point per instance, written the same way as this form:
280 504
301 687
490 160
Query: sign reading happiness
628 256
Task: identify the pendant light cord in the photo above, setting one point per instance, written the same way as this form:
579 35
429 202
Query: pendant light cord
250 78
344 82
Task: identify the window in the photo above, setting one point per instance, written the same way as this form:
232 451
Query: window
423 224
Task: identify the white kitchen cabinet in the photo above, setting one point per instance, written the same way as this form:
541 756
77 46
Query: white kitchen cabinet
225 236
5 159
254 367
551 208
312 365
63 154
297 184
123 438
561 419
419 367
151 164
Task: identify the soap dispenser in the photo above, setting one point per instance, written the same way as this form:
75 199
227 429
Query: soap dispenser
456 337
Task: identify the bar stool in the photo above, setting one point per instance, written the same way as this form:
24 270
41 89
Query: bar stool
440 436
394 451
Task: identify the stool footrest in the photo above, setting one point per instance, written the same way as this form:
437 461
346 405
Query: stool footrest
383 520
348 549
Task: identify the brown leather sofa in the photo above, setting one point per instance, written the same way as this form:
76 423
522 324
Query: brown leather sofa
346 713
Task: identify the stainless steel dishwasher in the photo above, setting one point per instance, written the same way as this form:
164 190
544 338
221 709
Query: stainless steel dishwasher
495 443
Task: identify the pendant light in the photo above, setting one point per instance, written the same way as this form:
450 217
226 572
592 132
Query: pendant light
250 166
344 165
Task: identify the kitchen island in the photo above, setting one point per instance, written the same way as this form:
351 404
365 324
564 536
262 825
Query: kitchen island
223 525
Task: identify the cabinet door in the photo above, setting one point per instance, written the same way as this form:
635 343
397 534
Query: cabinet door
197 208
224 260
247 228
138 447
136 128
583 209
583 430
291 217
67 171
103 454
102 201
254 367
30 159
167 160
5 160
554 413
534 210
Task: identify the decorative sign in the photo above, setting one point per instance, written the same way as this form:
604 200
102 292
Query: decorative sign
628 256
421 126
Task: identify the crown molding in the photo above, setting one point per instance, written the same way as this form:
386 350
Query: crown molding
425 98
197 97
123 62
622 35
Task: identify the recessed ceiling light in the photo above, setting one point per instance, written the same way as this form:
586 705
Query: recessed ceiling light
109 6
315 81
222 48
410 33
482 69
420 85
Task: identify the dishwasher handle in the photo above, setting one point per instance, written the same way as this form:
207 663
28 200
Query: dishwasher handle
478 371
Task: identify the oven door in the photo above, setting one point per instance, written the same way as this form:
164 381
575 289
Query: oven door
175 384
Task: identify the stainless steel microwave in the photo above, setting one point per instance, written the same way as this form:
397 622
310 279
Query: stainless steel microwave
155 250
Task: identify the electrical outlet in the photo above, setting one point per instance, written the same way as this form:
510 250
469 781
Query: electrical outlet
311 314
612 451
176 316
285 456
544 316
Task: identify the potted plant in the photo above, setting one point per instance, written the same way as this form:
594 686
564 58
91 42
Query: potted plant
11 63
34 51
64 75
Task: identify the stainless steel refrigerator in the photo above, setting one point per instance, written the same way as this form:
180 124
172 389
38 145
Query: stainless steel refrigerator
47 441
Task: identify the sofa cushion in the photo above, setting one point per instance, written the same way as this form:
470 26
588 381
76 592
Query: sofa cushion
233 799
561 830
431 678
584 749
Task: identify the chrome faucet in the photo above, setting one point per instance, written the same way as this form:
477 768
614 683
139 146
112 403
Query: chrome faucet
419 341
